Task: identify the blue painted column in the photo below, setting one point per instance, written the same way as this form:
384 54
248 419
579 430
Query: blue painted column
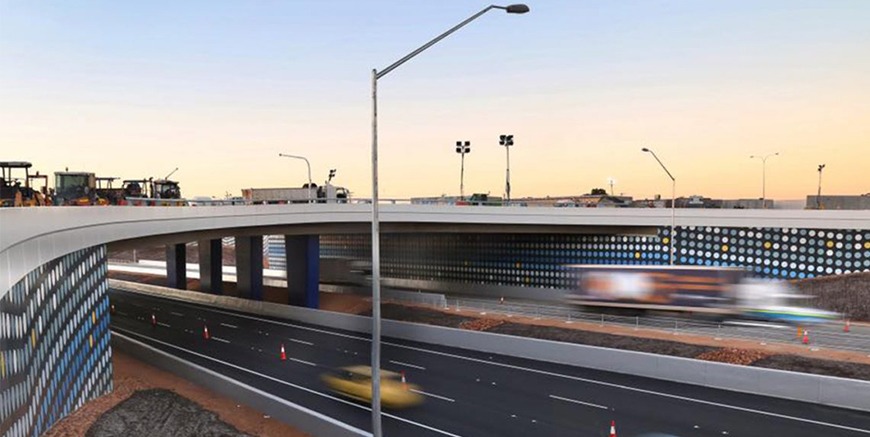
176 266
303 269
249 267
210 266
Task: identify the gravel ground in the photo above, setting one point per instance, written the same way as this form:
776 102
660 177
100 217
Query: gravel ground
160 413
815 365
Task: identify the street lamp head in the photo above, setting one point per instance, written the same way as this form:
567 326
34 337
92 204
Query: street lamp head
644 150
518 8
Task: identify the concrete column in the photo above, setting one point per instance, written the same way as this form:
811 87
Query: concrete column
210 266
303 269
176 268
249 267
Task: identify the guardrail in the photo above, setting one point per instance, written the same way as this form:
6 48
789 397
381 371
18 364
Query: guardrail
827 390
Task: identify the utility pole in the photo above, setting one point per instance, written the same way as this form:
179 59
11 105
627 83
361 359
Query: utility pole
819 194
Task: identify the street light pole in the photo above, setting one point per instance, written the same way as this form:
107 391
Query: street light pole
376 244
462 149
763 176
673 201
284 155
507 141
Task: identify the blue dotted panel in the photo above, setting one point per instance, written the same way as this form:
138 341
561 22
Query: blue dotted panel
54 342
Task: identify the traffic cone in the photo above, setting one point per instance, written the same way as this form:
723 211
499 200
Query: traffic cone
205 332
612 428
806 337
283 353
153 320
404 381
799 331
847 326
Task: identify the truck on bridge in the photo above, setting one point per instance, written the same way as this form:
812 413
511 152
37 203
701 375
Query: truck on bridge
324 194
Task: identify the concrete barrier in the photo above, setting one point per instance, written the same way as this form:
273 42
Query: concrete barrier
820 389
304 419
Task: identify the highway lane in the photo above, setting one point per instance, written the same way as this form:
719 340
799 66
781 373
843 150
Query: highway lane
468 393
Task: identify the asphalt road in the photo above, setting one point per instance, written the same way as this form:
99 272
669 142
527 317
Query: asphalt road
468 393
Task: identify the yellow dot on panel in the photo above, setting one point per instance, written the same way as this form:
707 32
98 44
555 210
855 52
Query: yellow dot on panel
666 240
91 340
637 255
94 317
767 244
830 244
724 248
867 245
2 366
33 337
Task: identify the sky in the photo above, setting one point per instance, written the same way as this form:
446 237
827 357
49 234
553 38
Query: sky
219 88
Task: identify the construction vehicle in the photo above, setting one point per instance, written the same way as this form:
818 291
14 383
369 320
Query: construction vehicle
12 193
76 188
109 194
711 292
307 194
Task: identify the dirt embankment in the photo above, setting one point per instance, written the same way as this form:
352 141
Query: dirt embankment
132 376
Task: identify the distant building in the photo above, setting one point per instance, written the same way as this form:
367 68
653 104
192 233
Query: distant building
839 202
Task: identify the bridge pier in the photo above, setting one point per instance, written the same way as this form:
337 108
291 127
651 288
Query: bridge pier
303 269
176 266
210 266
249 267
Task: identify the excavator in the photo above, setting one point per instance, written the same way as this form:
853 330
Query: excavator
12 193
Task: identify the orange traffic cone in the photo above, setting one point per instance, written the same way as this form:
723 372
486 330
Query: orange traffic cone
799 331
847 326
404 381
612 428
205 332
153 320
283 353
806 337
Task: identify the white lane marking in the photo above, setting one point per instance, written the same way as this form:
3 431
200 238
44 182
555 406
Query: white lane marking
300 341
176 314
229 326
290 384
408 365
219 339
283 401
165 325
303 362
433 395
558 375
588 404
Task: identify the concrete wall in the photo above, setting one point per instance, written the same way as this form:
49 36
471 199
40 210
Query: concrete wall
839 392
54 342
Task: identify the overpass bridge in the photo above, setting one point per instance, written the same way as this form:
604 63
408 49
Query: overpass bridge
54 335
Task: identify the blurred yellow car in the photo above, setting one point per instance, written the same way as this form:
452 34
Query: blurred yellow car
355 382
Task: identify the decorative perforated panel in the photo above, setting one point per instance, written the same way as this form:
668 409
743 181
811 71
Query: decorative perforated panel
538 260
54 342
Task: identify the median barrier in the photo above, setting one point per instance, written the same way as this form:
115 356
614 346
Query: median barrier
307 420
819 389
